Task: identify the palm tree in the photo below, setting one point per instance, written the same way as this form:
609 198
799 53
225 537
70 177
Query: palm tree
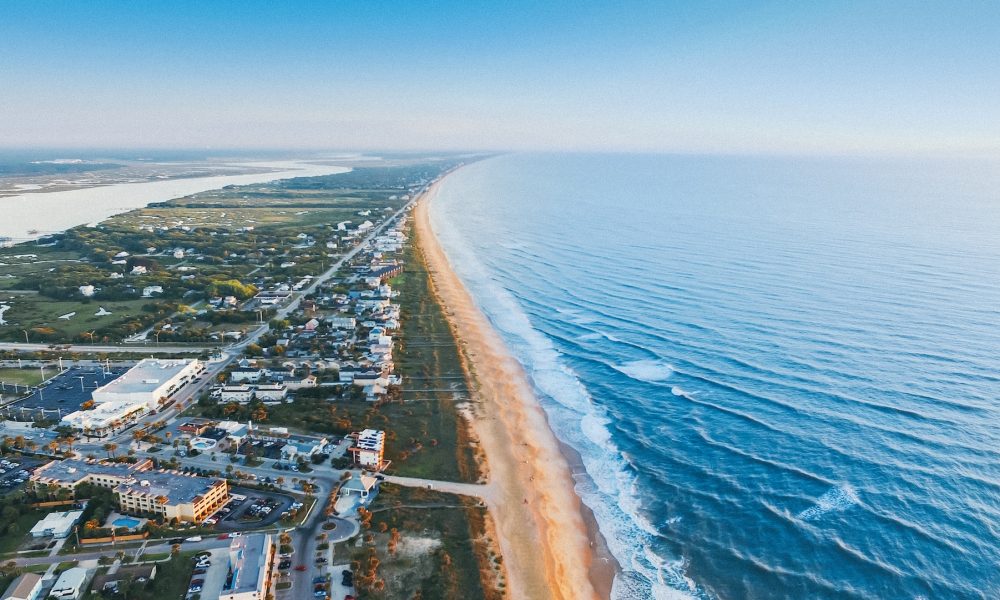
110 448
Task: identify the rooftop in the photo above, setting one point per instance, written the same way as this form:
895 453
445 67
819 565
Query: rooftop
23 586
57 521
72 470
176 487
146 376
247 560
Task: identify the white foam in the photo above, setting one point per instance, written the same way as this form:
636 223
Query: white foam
679 391
835 500
646 370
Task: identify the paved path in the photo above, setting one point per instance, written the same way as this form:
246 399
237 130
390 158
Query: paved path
475 490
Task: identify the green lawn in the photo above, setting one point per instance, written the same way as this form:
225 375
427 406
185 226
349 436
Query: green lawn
172 579
30 376
14 532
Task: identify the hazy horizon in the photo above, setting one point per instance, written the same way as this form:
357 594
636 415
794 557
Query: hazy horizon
670 77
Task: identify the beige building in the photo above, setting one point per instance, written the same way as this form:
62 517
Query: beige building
139 489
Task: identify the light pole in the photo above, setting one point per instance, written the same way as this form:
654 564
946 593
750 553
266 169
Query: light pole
25 336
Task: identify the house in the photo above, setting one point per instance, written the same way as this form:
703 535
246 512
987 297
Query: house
26 587
271 392
111 582
57 525
311 325
295 383
178 254
87 291
360 484
70 584
246 375
148 291
341 322
304 448
138 270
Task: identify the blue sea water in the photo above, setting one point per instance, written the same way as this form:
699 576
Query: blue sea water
783 374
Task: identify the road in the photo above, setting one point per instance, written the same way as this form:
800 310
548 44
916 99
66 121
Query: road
133 348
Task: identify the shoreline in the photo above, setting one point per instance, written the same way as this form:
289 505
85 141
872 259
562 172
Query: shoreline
531 477
66 209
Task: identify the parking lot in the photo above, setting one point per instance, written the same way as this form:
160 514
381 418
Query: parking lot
259 509
15 472
63 393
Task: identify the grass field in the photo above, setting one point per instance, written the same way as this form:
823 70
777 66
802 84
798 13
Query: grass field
434 380
30 376
29 311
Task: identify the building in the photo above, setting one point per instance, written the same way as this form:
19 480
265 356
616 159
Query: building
369 449
70 584
105 419
362 485
142 389
149 381
242 394
341 322
148 291
245 375
70 473
303 448
58 524
173 495
271 392
138 489
111 582
87 291
251 561
25 587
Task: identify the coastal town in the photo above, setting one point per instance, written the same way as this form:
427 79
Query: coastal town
249 393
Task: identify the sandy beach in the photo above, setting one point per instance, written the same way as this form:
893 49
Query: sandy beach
540 522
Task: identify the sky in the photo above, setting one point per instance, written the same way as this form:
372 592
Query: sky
588 75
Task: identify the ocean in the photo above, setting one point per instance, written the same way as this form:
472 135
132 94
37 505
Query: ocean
782 374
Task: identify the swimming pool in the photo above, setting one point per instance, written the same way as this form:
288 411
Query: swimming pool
203 444
126 522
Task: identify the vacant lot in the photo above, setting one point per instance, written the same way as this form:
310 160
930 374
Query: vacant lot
441 548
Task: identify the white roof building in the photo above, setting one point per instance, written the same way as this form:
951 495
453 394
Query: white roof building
251 558
148 381
57 524
70 584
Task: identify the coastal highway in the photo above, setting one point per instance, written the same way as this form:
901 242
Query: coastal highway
134 348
